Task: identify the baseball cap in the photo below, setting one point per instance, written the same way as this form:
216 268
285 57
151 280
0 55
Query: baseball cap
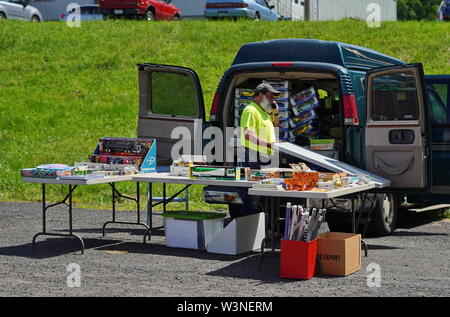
263 88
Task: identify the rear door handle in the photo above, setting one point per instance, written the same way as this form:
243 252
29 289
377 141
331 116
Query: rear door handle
402 137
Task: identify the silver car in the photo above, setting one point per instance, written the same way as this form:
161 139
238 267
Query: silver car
19 10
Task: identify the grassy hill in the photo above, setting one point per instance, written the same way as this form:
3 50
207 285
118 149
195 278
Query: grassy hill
62 88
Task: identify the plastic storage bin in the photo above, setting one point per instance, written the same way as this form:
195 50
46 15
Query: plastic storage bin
298 259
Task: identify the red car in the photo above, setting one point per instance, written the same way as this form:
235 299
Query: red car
148 9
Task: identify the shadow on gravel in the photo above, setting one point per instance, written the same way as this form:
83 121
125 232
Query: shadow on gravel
410 220
161 249
113 230
248 268
52 247
416 234
381 247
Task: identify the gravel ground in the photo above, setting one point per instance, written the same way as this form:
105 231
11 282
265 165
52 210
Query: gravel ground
414 262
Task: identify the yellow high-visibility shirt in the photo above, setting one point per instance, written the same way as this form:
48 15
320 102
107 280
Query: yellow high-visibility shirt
257 121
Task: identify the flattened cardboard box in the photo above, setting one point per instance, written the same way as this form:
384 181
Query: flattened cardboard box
339 253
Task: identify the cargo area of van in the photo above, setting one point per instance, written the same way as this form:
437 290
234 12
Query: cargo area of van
309 104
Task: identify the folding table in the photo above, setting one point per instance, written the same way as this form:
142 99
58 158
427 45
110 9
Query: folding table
72 184
272 204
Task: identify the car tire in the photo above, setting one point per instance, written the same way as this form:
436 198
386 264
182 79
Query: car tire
35 18
176 18
149 16
384 218
2 16
257 16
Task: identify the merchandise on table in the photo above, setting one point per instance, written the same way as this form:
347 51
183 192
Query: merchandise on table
128 151
46 171
113 159
216 172
124 146
300 177
180 170
126 157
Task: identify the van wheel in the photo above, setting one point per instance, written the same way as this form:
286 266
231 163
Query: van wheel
35 18
2 16
384 217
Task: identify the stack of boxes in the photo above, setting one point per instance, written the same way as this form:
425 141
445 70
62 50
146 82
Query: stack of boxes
284 86
296 111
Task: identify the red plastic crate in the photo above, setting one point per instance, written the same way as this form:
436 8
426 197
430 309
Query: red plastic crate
298 259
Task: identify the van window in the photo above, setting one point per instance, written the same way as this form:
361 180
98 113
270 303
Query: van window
441 90
438 111
173 94
395 97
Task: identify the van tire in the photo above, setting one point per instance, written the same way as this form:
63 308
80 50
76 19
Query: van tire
2 16
384 218
35 18
257 16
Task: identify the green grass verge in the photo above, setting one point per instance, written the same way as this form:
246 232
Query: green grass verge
62 88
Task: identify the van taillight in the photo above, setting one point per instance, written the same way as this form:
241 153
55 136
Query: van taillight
350 110
214 107
282 64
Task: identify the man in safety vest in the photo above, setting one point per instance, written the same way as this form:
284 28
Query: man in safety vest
258 121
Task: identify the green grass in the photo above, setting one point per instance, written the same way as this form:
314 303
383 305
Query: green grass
62 88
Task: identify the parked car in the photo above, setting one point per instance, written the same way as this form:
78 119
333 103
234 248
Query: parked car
378 113
146 9
443 13
19 10
253 9
87 12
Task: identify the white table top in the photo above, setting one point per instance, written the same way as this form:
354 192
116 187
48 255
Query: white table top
169 179
329 163
78 181
310 194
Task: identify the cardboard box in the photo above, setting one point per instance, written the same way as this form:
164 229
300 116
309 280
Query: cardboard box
298 259
241 235
191 233
339 253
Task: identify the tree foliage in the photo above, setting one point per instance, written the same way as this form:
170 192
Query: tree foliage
417 9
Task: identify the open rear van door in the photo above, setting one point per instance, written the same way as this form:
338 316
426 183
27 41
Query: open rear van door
170 97
398 139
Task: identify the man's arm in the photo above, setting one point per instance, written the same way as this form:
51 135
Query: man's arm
255 139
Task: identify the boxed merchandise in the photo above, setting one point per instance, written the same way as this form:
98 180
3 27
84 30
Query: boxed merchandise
216 172
176 170
339 253
47 171
124 146
321 144
303 119
304 97
244 93
128 151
